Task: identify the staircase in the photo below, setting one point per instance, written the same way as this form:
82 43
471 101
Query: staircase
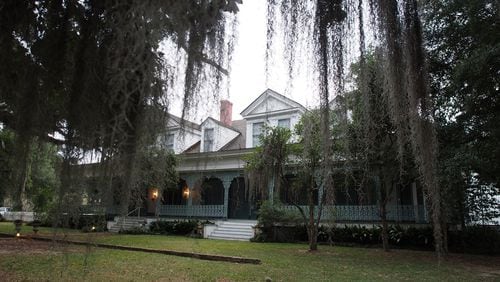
126 223
241 230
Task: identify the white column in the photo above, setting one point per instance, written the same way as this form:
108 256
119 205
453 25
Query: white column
226 183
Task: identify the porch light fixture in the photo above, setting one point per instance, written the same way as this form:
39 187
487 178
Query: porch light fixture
185 192
154 194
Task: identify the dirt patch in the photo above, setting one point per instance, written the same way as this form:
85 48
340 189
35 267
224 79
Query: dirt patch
31 247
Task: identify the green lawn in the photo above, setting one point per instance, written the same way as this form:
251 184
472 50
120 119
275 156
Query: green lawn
280 262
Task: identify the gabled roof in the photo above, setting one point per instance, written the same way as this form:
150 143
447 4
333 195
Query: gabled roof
220 124
183 122
266 95
239 141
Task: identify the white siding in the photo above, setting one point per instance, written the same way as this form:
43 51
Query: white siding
222 135
183 139
272 121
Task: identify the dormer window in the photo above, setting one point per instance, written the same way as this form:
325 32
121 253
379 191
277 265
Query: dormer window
208 140
256 132
284 123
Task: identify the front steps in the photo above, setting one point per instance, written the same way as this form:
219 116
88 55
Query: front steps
241 230
126 223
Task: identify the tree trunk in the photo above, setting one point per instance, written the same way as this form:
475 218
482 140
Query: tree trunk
22 174
312 227
385 226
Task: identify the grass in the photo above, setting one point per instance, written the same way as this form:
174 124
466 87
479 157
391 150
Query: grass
280 262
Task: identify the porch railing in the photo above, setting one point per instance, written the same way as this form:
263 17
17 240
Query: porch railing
196 210
404 213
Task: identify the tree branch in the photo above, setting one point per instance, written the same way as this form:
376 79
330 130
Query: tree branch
203 58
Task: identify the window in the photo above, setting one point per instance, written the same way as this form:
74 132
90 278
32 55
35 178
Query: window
285 123
208 140
256 132
169 142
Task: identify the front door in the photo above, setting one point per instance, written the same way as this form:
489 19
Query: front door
239 207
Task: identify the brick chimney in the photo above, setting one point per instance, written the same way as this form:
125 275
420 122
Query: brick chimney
226 112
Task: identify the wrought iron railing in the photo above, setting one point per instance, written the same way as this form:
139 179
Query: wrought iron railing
195 211
404 213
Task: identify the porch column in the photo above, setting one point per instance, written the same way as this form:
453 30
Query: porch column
226 182
415 201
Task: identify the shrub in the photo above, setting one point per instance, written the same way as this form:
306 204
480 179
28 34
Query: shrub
475 239
162 227
174 227
185 227
135 231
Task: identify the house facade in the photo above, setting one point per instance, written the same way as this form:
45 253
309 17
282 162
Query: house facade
212 168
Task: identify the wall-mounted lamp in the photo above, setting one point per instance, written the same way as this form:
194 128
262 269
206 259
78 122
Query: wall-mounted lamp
185 192
154 194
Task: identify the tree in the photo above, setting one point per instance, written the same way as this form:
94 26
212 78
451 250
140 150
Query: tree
88 70
373 141
41 177
276 154
464 50
396 25
267 164
309 157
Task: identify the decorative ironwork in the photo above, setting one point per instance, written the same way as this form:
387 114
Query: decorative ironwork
404 213
195 211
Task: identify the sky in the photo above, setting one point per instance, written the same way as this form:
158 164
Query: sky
248 68
248 77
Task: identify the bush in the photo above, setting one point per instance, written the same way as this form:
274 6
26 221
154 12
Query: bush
185 227
162 227
273 214
174 227
279 225
135 231
475 239
95 223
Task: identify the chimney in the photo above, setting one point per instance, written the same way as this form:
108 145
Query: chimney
226 112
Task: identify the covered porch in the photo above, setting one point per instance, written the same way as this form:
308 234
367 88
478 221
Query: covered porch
207 195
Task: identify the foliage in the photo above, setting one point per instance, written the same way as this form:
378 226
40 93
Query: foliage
6 159
372 137
473 239
463 46
482 205
174 227
41 179
86 74
272 213
267 163
157 169
476 239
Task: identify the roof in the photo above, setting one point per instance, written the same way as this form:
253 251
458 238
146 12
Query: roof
183 122
195 148
221 124
270 92
239 142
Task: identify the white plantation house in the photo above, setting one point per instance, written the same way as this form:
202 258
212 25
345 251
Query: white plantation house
211 168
